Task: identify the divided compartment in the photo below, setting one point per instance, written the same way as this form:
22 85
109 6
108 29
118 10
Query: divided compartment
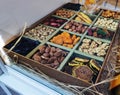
72 6
53 21
64 13
75 27
100 33
111 14
40 32
109 24
86 67
65 39
94 46
49 55
83 19
23 47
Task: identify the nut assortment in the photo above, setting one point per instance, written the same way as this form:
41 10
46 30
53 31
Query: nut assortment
83 67
40 32
111 14
100 33
65 39
64 13
106 23
54 22
94 47
50 56
75 27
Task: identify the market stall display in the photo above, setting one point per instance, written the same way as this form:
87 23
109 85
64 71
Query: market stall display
72 44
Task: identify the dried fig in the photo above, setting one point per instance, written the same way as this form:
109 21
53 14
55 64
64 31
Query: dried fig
57 54
47 50
53 49
45 58
51 60
46 54
43 62
42 49
36 57
56 63
61 59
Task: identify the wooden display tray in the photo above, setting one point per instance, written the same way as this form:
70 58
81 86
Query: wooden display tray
57 73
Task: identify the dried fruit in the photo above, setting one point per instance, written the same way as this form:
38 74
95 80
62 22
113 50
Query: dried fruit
65 39
50 57
73 26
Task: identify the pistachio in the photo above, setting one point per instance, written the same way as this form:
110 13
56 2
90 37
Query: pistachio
40 32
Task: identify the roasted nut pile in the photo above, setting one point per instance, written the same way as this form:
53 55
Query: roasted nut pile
100 33
54 22
65 39
111 14
64 13
94 47
75 27
49 56
40 32
106 23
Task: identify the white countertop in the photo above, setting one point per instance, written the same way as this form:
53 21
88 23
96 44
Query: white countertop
14 14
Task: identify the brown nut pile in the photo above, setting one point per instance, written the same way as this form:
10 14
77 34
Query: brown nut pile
64 13
49 56
40 32
111 14
107 23
75 27
94 47
65 39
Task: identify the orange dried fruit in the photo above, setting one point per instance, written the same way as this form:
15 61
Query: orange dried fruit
76 40
68 41
73 37
70 45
